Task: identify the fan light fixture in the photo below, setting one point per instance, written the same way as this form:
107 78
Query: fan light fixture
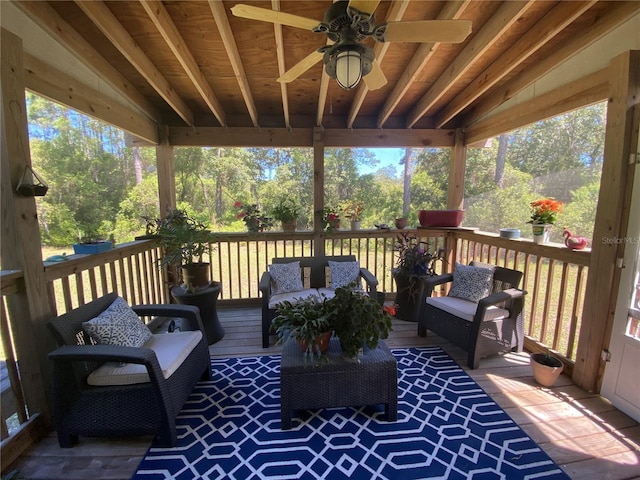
348 62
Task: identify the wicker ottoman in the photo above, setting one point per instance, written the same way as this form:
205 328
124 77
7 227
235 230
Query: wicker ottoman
338 382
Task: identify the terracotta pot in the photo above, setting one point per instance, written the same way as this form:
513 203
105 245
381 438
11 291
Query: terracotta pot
401 223
546 369
322 341
289 226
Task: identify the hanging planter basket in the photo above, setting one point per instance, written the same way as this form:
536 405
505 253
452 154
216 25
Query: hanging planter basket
31 184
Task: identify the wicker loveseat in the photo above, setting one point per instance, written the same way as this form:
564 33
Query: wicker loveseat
490 325
315 278
80 407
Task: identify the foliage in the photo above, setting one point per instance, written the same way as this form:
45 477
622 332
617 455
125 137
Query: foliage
183 239
357 320
352 209
303 321
414 257
330 219
253 217
545 211
286 210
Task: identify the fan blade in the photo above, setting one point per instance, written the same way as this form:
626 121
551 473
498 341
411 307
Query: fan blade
428 31
364 6
273 16
375 79
299 68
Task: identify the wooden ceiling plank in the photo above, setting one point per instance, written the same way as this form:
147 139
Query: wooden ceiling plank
50 82
451 11
163 22
493 29
277 30
579 93
616 14
543 31
102 17
220 16
396 11
50 21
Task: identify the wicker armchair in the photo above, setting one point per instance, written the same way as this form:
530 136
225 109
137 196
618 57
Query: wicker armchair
315 270
120 410
493 325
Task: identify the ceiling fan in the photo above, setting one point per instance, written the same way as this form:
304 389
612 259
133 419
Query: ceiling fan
347 23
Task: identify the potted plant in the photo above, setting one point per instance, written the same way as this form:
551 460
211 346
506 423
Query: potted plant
307 321
544 214
286 211
184 241
353 209
358 320
546 368
414 260
253 217
330 219
88 244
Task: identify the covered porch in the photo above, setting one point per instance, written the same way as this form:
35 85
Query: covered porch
541 60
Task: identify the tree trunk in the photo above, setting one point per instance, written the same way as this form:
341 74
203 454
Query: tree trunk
406 196
137 165
501 159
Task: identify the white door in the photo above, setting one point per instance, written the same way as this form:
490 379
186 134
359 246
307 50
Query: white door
621 382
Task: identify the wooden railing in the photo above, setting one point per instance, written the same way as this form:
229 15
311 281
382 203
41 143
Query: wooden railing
554 278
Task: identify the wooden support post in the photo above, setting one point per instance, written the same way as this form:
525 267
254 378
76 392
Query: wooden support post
318 190
166 173
455 191
30 308
601 294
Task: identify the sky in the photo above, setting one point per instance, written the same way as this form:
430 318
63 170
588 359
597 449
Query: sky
386 157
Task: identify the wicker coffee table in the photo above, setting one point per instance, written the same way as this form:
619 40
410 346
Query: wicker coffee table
339 382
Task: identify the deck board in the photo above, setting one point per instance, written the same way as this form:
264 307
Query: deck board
581 431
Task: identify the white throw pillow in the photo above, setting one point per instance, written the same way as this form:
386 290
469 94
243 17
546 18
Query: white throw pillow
118 325
285 277
471 283
343 273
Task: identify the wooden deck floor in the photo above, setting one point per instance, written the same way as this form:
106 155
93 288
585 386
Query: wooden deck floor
581 432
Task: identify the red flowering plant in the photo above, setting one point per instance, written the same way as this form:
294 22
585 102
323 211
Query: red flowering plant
545 211
253 217
330 219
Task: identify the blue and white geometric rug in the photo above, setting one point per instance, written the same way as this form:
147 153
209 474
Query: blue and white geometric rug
447 428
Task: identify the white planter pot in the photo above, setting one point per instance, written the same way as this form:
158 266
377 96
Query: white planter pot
541 233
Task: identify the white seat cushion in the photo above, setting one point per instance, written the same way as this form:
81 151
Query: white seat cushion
292 296
465 309
171 350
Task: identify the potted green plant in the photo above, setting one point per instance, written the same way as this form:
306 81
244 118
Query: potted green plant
414 260
184 241
544 214
353 209
306 321
330 219
286 211
358 320
546 368
253 217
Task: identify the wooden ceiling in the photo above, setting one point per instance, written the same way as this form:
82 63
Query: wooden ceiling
193 63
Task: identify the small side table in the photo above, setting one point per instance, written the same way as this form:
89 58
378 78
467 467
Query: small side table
206 300
339 382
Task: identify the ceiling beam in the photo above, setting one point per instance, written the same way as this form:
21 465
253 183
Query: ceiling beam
102 17
303 137
543 31
163 22
451 11
496 26
379 50
52 23
277 30
52 83
585 91
616 14
220 16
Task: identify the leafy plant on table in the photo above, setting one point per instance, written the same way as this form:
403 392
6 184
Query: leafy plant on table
286 209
